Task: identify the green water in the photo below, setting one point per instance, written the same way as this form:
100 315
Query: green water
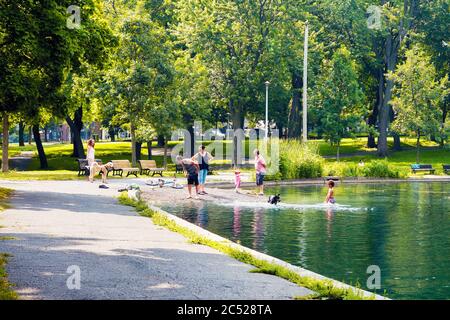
402 228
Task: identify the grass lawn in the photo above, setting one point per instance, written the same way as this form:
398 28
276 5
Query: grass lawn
63 167
6 293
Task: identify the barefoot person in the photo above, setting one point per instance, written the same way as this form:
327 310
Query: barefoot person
330 195
202 157
191 169
90 157
260 167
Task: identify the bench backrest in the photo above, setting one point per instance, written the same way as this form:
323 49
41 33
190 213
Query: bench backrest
147 164
446 166
121 164
421 166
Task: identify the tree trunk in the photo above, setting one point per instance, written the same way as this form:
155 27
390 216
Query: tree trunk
5 143
165 153
21 134
397 142
338 155
238 123
45 134
418 147
190 129
76 125
30 135
149 149
138 150
133 144
40 147
294 130
112 134
372 120
161 141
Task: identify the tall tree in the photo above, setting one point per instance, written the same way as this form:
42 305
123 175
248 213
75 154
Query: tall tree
417 93
339 101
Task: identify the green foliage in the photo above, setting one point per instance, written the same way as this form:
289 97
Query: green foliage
338 102
380 169
6 292
5 194
417 96
299 160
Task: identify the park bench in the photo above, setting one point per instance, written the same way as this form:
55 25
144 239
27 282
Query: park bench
148 166
446 168
422 168
121 166
83 168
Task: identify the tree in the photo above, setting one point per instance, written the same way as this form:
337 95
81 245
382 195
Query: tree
417 94
340 101
142 68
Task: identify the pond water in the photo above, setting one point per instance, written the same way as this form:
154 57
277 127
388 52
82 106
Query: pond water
403 228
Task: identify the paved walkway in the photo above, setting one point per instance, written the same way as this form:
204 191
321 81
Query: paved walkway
120 254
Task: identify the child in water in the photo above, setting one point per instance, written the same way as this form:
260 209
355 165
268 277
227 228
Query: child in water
237 180
330 195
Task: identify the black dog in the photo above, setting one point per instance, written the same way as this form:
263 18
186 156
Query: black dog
274 199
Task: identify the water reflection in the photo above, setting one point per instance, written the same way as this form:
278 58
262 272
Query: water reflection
404 229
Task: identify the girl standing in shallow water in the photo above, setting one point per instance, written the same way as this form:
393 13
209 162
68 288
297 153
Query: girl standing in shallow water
330 195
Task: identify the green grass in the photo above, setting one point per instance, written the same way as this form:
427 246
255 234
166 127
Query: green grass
324 289
400 160
6 292
5 194
63 167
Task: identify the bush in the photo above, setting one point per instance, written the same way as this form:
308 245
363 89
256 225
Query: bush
380 169
299 160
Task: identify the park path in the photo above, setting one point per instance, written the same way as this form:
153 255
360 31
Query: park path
120 255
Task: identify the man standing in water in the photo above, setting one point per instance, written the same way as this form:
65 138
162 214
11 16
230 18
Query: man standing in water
260 167
191 169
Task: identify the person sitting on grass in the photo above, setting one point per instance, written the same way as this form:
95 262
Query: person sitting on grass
99 168
191 169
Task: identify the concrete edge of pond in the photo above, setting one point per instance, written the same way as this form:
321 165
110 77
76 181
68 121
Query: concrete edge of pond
322 181
262 256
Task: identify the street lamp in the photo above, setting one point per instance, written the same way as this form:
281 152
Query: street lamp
267 109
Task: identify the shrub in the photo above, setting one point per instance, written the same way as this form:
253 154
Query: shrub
299 160
380 169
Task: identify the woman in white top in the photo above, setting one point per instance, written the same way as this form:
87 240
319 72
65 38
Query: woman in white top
90 157
90 152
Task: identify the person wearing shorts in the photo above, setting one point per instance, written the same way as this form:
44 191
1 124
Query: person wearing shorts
202 158
191 169
260 167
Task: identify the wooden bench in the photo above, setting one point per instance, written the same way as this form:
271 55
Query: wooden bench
83 168
148 166
422 168
121 166
446 168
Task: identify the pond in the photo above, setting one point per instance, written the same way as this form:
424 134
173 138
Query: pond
403 228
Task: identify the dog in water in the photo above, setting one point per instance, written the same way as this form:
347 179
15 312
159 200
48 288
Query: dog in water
274 199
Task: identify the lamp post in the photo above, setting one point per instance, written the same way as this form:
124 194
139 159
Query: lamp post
305 86
267 109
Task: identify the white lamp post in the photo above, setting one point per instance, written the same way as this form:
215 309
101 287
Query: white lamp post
305 86
267 109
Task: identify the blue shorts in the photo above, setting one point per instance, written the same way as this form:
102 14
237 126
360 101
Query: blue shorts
259 179
202 176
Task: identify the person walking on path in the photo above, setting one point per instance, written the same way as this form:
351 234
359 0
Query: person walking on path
260 167
90 157
191 169
202 157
